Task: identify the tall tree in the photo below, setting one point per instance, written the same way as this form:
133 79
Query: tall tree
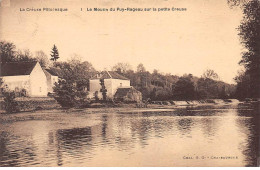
210 74
184 88
243 85
42 58
71 90
250 38
7 51
54 53
140 68
103 89
23 56
122 67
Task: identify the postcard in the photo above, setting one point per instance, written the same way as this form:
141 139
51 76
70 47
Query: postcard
134 83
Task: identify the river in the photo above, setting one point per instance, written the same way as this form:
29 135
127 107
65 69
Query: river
212 135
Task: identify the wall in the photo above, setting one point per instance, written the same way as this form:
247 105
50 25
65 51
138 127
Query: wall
119 83
51 80
94 86
110 84
18 82
48 78
38 82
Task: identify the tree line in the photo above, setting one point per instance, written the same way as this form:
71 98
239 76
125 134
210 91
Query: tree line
159 86
75 75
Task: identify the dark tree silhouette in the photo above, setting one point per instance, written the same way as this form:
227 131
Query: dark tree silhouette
103 89
250 37
248 84
184 88
54 53
7 51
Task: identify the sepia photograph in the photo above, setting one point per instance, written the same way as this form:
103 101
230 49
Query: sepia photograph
133 83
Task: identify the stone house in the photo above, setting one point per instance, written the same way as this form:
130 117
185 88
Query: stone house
112 81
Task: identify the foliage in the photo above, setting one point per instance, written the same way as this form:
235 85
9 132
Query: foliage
158 86
207 88
10 105
7 51
121 67
184 88
42 58
210 74
250 38
103 89
54 53
140 68
69 94
243 85
96 96
71 89
24 56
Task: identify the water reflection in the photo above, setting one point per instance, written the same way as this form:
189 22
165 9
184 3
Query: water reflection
135 139
250 129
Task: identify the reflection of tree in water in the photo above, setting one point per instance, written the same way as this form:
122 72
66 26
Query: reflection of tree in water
5 154
104 127
209 126
142 128
123 136
184 125
250 127
76 142
19 153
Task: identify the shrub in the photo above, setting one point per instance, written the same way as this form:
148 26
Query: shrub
96 96
10 105
69 94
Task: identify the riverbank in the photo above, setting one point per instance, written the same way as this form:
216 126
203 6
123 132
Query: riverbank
58 113
49 104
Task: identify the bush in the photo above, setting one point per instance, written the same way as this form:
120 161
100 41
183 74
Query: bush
69 94
10 105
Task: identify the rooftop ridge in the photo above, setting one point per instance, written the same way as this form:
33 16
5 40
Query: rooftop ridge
109 74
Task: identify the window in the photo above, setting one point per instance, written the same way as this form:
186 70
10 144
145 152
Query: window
40 89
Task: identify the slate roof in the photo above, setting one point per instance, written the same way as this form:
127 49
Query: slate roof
109 75
17 68
53 71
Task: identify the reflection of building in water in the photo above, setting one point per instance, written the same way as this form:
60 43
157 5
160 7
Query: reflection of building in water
113 130
73 143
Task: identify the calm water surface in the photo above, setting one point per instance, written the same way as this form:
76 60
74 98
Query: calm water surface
192 136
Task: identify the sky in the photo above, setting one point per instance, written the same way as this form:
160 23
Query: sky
203 37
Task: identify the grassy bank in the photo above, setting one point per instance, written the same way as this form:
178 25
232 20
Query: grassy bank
26 104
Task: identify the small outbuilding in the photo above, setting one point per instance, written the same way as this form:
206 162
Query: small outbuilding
128 94
52 76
